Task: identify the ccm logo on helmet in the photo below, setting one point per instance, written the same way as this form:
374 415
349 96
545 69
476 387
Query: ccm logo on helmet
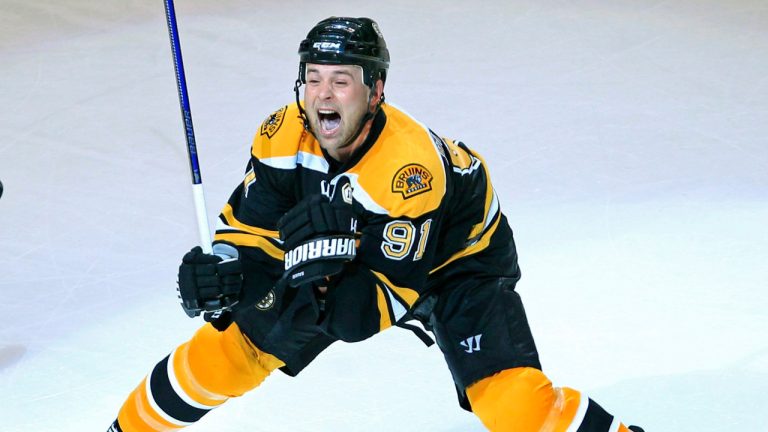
339 247
325 46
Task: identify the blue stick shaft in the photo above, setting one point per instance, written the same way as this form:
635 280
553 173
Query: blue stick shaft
181 81
189 131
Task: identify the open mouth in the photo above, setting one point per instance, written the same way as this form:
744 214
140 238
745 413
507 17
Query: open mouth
329 120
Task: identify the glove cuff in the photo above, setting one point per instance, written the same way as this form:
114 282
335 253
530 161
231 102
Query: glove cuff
225 251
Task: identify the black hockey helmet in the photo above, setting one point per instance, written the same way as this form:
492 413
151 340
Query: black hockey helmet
344 40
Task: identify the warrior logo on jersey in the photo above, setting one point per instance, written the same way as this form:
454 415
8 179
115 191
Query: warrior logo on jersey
411 180
267 302
273 123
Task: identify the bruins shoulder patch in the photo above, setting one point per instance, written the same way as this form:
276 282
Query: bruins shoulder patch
272 123
412 180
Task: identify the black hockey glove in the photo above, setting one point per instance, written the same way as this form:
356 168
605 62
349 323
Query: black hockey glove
210 284
318 235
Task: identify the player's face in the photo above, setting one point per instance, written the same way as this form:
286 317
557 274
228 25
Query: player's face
336 99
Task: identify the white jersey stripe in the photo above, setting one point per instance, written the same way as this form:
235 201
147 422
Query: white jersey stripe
580 413
156 407
281 162
307 160
221 226
360 195
472 167
397 307
615 425
180 390
313 162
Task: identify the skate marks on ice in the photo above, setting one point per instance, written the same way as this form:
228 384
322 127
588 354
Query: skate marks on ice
11 354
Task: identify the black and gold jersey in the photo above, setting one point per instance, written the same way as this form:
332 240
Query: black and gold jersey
428 216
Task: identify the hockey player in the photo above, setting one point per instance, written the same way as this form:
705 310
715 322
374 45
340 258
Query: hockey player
352 218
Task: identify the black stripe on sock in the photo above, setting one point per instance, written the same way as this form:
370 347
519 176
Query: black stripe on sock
167 399
596 419
115 427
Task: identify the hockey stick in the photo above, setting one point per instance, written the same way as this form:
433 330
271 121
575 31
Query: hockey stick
186 117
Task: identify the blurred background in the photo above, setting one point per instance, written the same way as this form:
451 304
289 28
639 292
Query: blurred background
627 142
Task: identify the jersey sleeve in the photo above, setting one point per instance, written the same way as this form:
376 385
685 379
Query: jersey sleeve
248 221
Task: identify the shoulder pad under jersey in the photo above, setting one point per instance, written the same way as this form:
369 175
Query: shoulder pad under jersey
282 135
403 173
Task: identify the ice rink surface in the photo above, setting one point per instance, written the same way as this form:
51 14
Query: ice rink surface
628 142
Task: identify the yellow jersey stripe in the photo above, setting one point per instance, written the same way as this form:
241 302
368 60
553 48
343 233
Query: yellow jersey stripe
385 320
478 228
232 222
406 294
483 243
250 240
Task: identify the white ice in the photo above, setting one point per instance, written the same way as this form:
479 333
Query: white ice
628 142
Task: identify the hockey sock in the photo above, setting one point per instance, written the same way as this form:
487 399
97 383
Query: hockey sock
523 399
195 378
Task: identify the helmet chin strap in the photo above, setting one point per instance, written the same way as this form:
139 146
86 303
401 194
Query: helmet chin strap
368 115
302 113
